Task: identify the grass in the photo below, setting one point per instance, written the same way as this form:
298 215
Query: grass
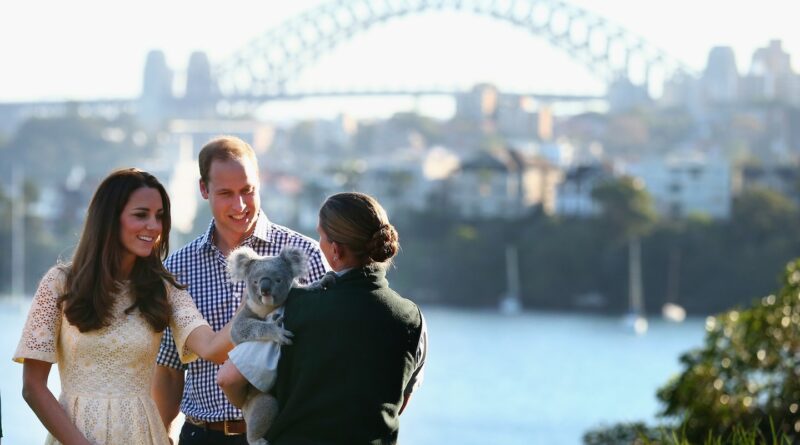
640 434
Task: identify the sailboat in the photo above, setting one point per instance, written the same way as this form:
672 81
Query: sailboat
510 302
672 311
635 319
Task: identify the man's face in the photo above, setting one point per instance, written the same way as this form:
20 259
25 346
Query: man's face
232 193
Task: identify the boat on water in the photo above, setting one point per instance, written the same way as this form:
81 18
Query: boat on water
673 312
636 322
510 305
635 318
510 302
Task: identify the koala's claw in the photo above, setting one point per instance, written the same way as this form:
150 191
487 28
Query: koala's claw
284 337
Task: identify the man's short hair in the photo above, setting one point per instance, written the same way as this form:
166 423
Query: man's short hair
223 148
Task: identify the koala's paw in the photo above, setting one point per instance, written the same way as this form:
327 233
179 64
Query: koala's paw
285 336
277 333
277 319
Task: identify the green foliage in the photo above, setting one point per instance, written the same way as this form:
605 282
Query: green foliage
442 256
48 148
760 212
746 373
640 434
562 260
624 433
626 206
565 263
42 247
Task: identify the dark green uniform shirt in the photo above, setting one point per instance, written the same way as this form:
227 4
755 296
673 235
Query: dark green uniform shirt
342 381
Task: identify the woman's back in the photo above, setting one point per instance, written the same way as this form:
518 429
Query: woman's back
344 378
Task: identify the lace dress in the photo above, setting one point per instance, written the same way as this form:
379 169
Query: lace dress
105 374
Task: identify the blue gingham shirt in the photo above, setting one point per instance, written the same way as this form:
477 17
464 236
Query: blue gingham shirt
202 267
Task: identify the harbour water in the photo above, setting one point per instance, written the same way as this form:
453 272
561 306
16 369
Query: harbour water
532 378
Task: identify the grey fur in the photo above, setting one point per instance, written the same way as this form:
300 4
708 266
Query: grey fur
268 282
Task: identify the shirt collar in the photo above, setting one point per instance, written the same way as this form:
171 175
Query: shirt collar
263 232
374 272
343 271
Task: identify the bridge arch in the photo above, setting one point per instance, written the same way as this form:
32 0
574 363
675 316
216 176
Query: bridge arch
268 64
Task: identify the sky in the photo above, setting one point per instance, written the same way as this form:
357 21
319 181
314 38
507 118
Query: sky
87 49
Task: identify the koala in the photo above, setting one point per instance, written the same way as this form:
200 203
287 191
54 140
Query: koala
268 282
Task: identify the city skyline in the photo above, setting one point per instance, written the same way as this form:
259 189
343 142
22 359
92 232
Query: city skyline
67 54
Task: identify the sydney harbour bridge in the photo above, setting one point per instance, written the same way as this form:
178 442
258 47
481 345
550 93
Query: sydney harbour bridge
263 70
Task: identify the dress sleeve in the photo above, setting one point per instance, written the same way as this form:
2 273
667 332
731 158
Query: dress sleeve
39 339
185 318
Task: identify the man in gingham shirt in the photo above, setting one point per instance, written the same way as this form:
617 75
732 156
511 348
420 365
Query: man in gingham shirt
229 180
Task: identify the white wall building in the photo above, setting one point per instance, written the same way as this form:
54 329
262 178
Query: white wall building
503 184
687 183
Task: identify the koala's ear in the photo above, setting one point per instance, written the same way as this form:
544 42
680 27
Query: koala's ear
296 259
239 260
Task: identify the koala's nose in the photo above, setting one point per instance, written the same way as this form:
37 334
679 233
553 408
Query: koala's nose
265 285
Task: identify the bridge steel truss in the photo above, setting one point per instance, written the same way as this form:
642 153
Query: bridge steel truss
265 68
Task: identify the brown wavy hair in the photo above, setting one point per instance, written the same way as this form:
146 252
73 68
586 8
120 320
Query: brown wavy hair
93 278
359 222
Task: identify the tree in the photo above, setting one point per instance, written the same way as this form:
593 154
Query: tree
746 374
49 148
628 210
759 212
626 206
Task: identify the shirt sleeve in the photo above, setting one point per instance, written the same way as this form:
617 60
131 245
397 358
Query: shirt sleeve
316 266
185 318
422 353
168 352
39 339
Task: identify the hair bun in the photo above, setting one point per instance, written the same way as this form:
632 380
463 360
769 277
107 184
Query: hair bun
384 243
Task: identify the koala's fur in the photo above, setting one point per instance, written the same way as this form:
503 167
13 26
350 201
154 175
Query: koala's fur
268 282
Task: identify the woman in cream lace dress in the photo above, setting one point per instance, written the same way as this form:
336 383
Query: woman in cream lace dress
101 318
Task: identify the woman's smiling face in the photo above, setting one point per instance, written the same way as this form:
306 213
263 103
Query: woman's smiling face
140 225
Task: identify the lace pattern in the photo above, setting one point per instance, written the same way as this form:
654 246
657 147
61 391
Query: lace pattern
105 374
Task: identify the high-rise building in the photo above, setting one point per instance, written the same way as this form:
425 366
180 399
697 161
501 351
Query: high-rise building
157 77
771 60
721 77
201 90
156 100
771 77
